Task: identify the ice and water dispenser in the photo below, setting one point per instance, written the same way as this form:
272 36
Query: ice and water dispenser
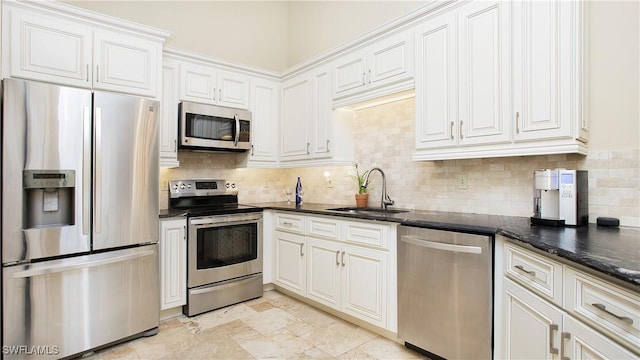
49 198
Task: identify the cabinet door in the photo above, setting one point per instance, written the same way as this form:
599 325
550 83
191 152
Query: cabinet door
582 342
49 49
173 263
125 63
198 83
542 69
233 90
290 262
532 326
322 113
295 141
349 74
364 284
436 83
323 272
390 60
484 73
265 111
168 130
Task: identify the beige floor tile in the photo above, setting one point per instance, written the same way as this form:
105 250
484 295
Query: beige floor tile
312 315
270 320
381 348
224 348
214 318
280 344
338 337
227 330
171 338
118 352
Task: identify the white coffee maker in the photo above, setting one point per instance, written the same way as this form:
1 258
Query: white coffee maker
560 197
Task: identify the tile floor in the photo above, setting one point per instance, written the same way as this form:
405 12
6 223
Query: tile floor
275 326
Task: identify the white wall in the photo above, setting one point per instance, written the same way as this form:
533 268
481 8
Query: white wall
272 35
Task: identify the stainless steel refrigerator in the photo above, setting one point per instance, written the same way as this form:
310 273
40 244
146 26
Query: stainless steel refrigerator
79 219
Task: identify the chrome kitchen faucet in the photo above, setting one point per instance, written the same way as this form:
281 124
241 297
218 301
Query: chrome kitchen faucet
385 200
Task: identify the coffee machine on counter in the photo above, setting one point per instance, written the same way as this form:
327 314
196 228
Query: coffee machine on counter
560 197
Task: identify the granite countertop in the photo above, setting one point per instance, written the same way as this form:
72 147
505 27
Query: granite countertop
611 251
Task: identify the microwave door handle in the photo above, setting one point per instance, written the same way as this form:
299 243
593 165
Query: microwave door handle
235 141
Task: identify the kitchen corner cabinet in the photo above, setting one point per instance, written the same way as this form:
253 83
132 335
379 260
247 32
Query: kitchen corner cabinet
591 318
344 265
205 84
307 117
168 130
501 79
386 64
70 50
173 263
265 111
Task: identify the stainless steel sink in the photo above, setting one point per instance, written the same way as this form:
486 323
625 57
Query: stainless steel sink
356 210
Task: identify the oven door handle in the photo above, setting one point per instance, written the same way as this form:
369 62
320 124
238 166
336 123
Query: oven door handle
200 223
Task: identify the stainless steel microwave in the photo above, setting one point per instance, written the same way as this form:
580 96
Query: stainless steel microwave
210 127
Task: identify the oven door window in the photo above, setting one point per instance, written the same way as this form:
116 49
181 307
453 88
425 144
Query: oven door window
226 245
210 127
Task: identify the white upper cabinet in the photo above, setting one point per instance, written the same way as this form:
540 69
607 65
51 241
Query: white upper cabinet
462 77
295 128
265 112
59 48
168 130
501 79
547 70
307 118
126 63
322 113
383 64
205 84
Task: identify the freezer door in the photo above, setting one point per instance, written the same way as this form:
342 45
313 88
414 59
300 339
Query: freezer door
58 308
126 171
45 128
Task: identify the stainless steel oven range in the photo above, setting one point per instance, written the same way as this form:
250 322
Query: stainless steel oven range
224 244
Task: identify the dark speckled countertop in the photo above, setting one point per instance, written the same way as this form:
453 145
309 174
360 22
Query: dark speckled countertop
611 251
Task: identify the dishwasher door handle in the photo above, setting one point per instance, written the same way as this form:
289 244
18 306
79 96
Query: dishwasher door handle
441 246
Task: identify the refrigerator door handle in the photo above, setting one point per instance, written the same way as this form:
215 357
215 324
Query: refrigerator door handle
80 265
86 170
98 171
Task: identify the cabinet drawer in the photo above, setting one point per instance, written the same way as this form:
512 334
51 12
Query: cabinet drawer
604 306
290 223
367 234
323 227
535 272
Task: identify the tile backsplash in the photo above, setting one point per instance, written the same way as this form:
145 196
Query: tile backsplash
500 186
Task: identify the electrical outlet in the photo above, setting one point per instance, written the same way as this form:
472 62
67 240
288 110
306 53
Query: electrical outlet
463 182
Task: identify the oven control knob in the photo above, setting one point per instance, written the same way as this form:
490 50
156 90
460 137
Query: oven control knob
233 185
227 185
181 186
175 186
188 186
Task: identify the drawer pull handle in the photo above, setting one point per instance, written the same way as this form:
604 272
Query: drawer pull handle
552 329
286 223
564 336
519 267
621 318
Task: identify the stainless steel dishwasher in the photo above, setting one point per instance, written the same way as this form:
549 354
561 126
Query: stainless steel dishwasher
445 292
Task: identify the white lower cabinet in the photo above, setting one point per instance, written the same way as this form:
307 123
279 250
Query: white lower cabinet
173 263
333 265
290 262
569 325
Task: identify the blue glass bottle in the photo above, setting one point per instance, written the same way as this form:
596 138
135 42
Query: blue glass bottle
299 192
